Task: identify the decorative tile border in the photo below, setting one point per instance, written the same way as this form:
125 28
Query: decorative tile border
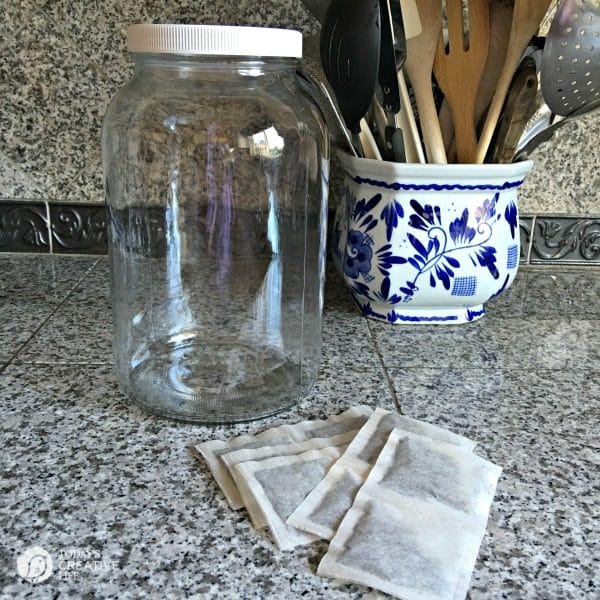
24 227
525 227
81 229
568 240
78 229
55 228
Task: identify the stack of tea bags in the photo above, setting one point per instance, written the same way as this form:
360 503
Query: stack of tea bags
404 503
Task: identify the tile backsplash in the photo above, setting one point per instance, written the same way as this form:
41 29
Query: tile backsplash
62 61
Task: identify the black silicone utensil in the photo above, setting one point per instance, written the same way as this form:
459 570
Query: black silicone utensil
392 57
350 45
399 33
388 74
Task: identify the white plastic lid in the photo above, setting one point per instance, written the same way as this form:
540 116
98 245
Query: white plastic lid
222 40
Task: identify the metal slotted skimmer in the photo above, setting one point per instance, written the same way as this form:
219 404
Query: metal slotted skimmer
570 69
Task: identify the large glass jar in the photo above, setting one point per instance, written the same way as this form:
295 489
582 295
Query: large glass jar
216 168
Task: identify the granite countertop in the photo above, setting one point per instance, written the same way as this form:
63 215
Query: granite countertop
90 478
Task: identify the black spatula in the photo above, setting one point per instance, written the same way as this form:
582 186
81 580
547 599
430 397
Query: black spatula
350 46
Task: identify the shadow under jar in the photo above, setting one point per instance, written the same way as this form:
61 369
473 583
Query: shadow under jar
216 168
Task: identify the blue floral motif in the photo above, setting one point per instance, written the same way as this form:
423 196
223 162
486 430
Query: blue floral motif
424 217
360 288
358 254
435 257
486 257
390 214
385 260
511 215
435 247
460 231
362 212
487 210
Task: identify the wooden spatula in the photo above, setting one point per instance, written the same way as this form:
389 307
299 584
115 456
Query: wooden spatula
500 21
526 19
459 68
420 52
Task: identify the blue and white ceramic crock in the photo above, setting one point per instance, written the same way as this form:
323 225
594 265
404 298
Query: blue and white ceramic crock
424 243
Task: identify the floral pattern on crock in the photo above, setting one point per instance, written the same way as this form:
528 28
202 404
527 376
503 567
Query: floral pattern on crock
358 255
438 248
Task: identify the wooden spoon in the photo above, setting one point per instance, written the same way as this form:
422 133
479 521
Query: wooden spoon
420 52
458 70
526 19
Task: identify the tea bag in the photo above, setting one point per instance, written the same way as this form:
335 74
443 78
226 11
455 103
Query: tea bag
278 484
237 456
212 451
415 527
323 509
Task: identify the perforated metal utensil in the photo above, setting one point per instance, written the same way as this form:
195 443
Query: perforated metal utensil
570 69
546 133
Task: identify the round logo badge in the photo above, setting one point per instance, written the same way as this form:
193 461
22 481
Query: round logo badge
34 564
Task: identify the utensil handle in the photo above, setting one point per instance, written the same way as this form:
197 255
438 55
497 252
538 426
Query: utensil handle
407 123
367 141
430 125
544 135
411 18
519 106
387 61
495 109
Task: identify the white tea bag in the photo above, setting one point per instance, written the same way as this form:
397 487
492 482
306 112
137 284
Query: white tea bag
278 484
349 420
323 509
415 527
237 456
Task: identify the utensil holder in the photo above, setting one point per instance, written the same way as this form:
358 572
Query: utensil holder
427 243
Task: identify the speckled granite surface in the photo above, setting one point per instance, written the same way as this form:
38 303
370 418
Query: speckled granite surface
83 474
62 61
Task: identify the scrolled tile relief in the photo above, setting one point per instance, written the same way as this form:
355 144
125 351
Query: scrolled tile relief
568 240
23 227
80 229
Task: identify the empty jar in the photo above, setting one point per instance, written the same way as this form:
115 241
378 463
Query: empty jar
216 167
